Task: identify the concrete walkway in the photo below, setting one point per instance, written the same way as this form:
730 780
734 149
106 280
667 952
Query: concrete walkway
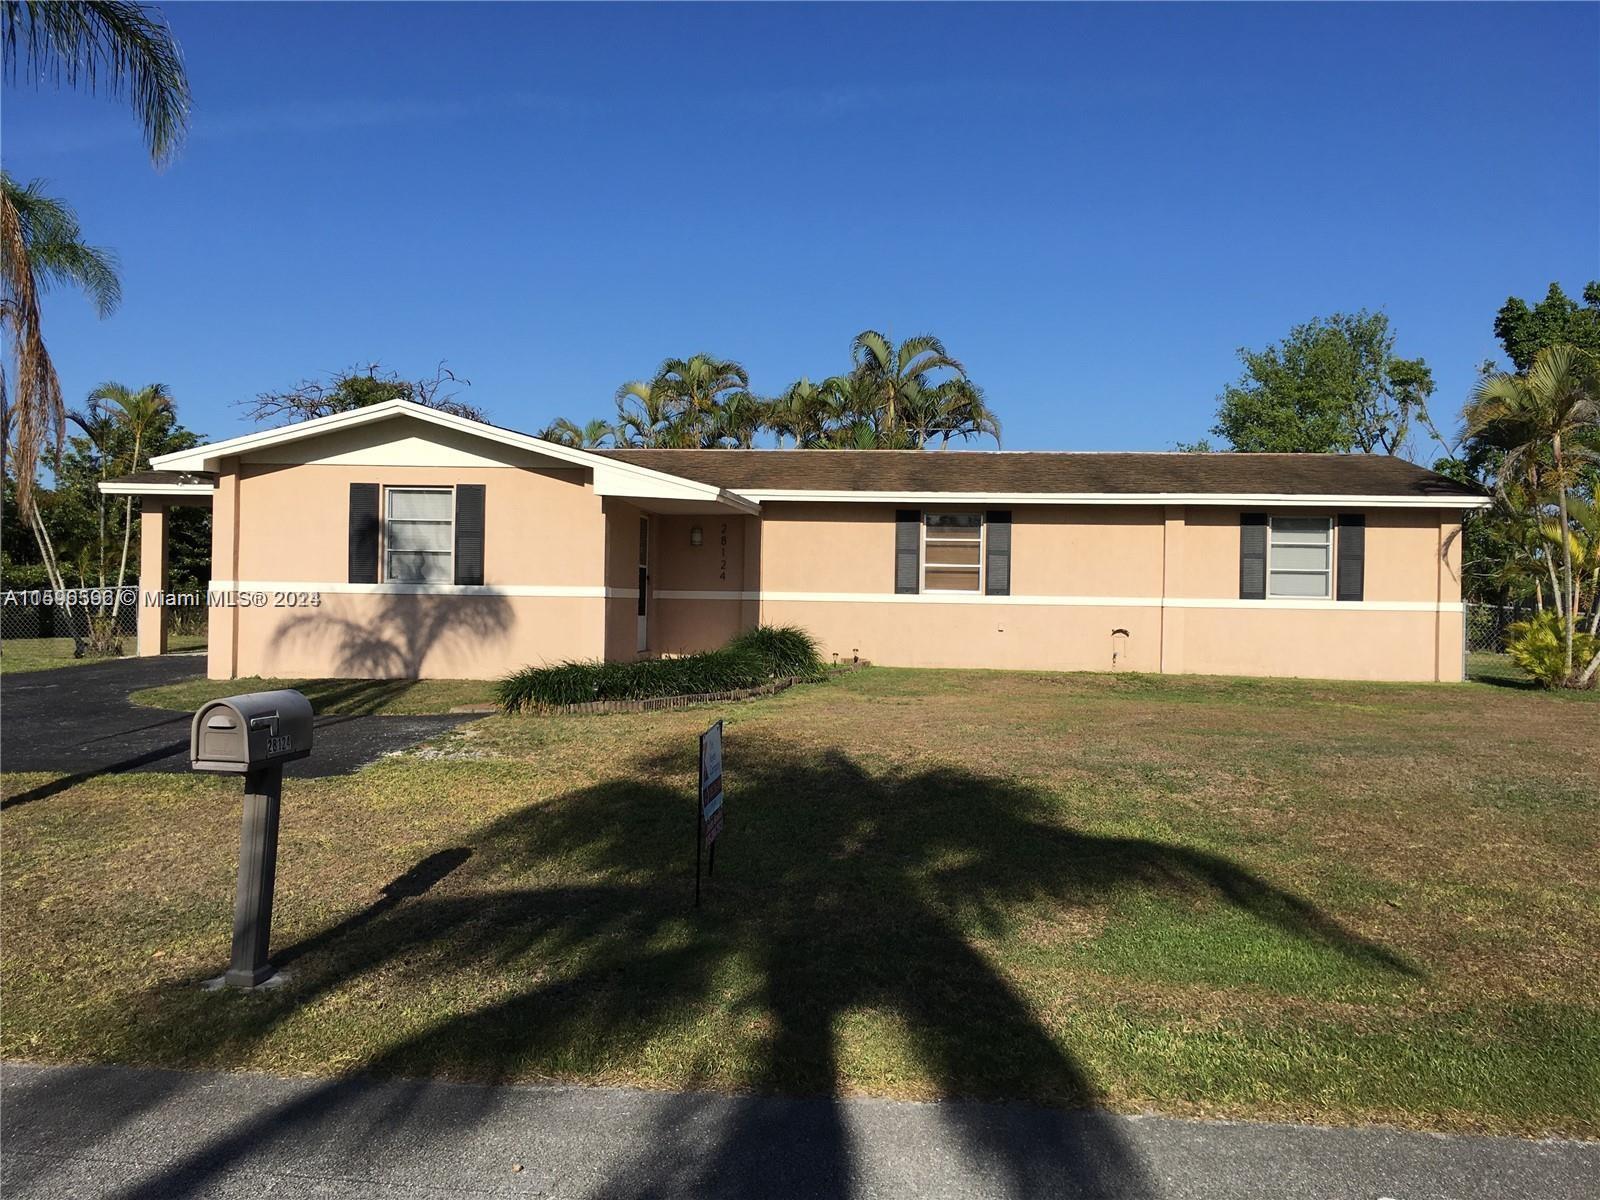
126 1133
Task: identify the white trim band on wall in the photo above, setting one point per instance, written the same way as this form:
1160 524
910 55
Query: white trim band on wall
1113 601
537 591
545 591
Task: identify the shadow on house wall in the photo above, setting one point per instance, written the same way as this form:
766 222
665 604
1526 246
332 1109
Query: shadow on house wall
405 637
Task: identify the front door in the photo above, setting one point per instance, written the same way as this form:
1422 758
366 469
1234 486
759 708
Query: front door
644 584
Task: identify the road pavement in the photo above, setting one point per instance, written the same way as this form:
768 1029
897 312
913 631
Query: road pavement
137 1134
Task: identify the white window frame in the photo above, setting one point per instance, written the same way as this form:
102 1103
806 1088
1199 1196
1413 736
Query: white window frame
1272 547
450 572
983 549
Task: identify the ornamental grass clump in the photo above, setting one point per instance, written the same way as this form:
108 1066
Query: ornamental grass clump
785 651
1538 645
750 660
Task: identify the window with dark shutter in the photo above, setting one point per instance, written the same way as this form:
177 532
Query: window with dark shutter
907 550
997 552
469 533
1350 580
1252 556
363 533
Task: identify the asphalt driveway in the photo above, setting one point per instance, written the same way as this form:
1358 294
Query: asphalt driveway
79 720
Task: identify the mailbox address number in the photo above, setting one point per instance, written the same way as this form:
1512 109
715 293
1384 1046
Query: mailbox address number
278 745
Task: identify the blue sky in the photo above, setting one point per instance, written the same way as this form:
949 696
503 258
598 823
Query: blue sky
1093 206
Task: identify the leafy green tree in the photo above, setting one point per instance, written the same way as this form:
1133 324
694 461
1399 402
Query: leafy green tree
1543 422
1332 386
360 387
1557 319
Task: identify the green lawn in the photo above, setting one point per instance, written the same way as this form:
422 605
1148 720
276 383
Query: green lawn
1271 898
40 654
350 697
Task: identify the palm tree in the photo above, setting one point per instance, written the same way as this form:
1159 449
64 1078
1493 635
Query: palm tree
954 408
99 427
43 247
126 50
643 418
737 420
799 413
684 396
589 436
137 412
1552 409
898 374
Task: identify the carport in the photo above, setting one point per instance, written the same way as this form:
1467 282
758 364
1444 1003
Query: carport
158 492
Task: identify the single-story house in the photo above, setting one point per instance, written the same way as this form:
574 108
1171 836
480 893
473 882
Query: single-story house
399 541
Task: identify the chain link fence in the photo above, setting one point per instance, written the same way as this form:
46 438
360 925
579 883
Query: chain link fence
1487 625
39 627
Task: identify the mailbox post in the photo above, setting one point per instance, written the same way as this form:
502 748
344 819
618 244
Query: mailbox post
253 735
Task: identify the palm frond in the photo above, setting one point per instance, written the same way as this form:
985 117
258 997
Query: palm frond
122 48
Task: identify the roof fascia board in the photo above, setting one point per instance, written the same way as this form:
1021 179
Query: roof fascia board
111 487
1222 499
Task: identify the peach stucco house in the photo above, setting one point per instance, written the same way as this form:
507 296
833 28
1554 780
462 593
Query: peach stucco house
399 541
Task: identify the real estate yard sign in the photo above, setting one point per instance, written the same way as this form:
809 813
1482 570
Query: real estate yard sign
708 803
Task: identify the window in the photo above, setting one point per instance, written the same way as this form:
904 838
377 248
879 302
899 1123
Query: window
418 535
952 552
1299 558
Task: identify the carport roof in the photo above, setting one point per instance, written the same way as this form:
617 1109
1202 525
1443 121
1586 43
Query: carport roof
161 483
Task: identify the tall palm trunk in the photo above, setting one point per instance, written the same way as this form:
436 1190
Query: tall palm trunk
127 535
52 570
1565 531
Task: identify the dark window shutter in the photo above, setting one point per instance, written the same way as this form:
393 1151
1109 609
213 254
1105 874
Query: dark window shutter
469 533
907 550
363 533
1252 556
1352 573
997 555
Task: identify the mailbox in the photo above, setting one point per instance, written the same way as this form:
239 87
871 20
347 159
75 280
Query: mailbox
253 735
250 732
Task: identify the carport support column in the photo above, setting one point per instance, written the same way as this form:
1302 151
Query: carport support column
152 577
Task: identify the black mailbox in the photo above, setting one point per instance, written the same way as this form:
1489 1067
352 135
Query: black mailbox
250 732
253 735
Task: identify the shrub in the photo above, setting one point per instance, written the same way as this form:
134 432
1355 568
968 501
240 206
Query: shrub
1538 645
751 659
785 651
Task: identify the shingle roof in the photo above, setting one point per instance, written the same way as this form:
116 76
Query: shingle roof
1024 472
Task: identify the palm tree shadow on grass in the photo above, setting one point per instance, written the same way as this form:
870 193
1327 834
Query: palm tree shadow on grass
838 891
